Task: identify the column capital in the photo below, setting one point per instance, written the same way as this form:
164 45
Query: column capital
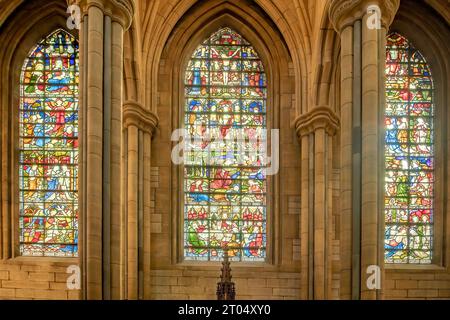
121 11
135 114
343 13
318 118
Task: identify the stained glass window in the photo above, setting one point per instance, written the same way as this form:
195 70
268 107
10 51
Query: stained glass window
409 154
48 148
224 176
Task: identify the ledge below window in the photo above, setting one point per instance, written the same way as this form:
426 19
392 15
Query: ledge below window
414 267
213 265
41 260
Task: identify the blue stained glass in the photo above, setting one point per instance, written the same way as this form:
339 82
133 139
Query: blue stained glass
224 188
48 148
409 154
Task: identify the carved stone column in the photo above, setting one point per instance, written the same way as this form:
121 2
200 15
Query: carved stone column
362 26
101 70
140 125
315 130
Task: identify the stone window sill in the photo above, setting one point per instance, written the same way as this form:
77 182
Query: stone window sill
413 268
55 261
234 265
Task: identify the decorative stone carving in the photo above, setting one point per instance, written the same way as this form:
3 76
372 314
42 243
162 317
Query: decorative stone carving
135 114
319 117
344 12
121 11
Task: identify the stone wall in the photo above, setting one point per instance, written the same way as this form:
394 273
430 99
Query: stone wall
197 283
35 280
419 284
304 64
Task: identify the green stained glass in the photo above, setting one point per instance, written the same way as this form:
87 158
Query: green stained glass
48 148
224 179
409 154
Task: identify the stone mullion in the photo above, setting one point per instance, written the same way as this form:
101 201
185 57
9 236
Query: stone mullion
304 221
371 106
319 214
147 213
82 150
141 216
106 168
329 232
123 217
323 234
132 213
356 158
139 127
362 86
94 153
346 160
117 32
381 173
310 215
101 68
316 130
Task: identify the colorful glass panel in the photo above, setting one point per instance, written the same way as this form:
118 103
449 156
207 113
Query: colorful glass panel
224 179
48 148
409 154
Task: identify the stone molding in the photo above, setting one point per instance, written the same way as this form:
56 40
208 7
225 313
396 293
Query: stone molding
319 117
343 13
135 114
121 11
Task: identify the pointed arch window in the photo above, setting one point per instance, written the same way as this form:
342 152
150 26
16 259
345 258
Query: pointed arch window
409 154
224 185
48 148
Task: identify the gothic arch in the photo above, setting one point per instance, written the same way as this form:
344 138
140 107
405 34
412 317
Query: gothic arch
42 18
49 16
8 8
132 62
198 24
327 57
325 92
162 25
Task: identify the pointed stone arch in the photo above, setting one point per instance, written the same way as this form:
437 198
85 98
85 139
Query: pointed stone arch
256 27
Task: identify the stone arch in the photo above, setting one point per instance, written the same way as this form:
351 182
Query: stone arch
23 25
132 68
198 24
327 57
163 24
49 16
325 93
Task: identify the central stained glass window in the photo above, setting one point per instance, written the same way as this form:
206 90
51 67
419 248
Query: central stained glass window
48 148
409 154
224 176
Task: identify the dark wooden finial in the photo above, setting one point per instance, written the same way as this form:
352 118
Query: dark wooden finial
225 288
